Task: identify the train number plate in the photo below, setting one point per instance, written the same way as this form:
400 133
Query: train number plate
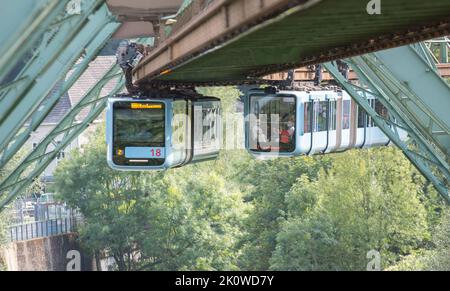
145 153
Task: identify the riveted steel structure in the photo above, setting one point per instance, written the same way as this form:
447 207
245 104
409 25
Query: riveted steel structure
60 137
61 40
228 41
306 74
442 47
417 99
23 24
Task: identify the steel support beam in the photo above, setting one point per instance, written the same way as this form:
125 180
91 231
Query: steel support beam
420 91
59 138
39 115
418 149
23 24
64 49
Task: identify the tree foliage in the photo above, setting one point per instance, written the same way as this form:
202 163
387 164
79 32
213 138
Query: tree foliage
185 219
237 213
362 203
268 182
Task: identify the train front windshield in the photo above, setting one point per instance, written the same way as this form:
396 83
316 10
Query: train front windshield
139 134
272 124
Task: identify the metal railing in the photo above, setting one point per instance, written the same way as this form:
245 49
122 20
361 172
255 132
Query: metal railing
45 228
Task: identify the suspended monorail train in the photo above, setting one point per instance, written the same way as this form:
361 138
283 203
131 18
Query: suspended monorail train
163 133
158 134
293 123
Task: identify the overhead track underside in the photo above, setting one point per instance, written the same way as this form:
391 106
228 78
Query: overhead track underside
231 42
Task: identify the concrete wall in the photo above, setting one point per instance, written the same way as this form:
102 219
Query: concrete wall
44 254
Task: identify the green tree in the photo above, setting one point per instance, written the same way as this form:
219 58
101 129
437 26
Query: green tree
228 96
440 257
182 219
367 201
268 183
5 215
206 217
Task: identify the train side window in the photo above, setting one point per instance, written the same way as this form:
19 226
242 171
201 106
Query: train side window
370 121
362 117
333 115
346 109
207 133
272 124
321 111
380 109
307 118
207 126
180 125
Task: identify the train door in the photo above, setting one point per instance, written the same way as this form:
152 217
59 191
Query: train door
346 121
320 134
378 137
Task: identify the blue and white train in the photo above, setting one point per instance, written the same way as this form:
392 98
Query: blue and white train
293 123
162 133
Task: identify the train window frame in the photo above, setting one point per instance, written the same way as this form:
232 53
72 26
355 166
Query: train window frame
207 134
130 162
294 107
346 123
370 120
381 110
